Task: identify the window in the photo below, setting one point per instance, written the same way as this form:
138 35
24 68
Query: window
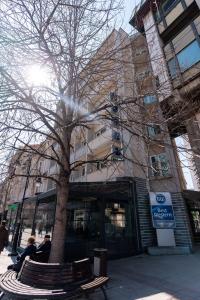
101 165
189 56
148 99
153 130
143 74
173 67
140 51
83 171
160 165
168 4
184 38
174 13
100 132
157 80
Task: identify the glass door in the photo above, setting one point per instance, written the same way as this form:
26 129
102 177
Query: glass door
118 229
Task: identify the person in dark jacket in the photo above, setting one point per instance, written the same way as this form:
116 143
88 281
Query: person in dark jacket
3 236
43 250
28 251
45 246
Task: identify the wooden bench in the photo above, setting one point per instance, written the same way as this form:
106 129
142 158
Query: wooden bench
47 280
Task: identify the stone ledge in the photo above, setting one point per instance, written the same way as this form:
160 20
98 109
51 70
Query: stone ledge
181 250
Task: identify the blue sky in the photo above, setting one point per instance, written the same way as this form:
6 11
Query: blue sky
128 8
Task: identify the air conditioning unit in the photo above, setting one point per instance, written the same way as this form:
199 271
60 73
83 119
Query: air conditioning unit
117 153
113 96
116 136
115 109
115 122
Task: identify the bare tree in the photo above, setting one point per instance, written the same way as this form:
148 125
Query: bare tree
47 117
61 38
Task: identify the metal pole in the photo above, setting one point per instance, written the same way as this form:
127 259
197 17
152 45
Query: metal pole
18 225
35 212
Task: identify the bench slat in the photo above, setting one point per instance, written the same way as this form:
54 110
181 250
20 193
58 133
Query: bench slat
97 282
68 281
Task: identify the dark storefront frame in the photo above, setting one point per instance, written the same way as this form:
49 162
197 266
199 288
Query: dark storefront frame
192 199
100 214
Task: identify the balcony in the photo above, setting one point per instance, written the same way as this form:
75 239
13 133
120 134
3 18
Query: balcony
99 142
107 173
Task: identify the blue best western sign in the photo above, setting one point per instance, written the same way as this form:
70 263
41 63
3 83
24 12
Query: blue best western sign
162 211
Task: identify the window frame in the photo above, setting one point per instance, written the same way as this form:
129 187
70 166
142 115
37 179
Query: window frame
150 96
160 169
180 68
154 127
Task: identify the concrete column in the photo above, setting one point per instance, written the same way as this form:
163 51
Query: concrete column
193 131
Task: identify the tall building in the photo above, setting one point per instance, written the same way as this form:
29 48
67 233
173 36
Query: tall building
172 31
120 158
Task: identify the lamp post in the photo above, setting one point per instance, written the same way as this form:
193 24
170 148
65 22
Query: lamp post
38 184
19 213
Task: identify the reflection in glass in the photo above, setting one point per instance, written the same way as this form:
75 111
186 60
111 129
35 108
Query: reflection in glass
44 220
27 221
196 220
117 220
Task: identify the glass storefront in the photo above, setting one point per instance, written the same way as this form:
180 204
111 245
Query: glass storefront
44 220
11 219
98 218
83 227
27 221
118 228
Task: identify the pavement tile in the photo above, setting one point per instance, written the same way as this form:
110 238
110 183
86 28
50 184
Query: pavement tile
146 277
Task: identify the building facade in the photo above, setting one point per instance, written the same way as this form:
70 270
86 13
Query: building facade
117 160
172 31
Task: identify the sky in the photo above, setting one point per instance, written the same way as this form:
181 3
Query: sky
128 8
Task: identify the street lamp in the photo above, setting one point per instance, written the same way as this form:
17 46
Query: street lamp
19 213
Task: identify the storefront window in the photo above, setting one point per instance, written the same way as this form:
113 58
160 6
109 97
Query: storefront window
84 219
11 217
196 220
27 221
44 220
117 220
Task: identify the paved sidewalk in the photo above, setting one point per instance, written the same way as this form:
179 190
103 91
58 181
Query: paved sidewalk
5 260
148 277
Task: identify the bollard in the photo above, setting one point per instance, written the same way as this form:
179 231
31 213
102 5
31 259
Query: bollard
100 261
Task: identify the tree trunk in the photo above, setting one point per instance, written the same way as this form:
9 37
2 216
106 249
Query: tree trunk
59 233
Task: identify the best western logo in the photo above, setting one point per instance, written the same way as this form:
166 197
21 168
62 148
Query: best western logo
160 198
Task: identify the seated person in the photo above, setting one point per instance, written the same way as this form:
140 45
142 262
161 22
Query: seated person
28 251
43 250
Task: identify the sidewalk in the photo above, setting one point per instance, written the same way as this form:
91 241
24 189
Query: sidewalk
5 260
148 277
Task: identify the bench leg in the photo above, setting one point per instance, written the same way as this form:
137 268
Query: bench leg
104 293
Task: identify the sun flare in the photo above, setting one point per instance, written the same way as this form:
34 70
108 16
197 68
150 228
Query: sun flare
37 75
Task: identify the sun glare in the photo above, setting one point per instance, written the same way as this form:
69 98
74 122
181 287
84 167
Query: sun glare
37 75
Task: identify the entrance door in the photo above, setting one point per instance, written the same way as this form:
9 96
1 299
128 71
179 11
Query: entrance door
119 229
